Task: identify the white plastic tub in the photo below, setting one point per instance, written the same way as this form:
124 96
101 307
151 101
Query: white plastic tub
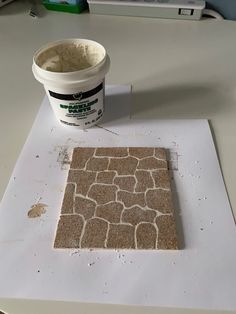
73 74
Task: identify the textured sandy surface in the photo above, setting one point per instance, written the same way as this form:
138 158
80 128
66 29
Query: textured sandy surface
117 198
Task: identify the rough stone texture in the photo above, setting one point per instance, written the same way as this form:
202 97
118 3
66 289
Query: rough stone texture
110 212
124 166
106 177
112 151
68 201
146 235
125 183
161 179
136 215
80 157
83 180
113 199
167 238
141 152
103 194
144 181
151 163
160 200
97 164
94 233
69 230
160 153
85 207
131 199
121 237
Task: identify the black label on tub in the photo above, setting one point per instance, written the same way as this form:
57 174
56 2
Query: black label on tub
79 95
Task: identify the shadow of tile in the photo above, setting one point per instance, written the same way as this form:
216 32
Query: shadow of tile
176 203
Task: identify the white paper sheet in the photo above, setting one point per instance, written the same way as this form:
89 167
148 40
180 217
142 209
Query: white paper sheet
201 275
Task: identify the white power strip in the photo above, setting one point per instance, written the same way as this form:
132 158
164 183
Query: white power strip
175 9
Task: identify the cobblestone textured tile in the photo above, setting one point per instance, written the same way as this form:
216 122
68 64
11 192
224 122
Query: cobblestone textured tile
146 235
124 166
126 183
94 234
159 200
160 153
111 211
68 201
167 238
117 198
131 199
84 206
112 151
135 215
82 179
151 163
121 237
69 231
141 152
102 194
161 179
106 177
80 157
97 164
144 181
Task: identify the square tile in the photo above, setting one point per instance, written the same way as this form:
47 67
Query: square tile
117 198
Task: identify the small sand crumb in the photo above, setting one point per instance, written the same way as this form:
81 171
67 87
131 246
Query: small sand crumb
37 210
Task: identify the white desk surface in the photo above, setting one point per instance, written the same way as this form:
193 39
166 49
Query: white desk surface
178 69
